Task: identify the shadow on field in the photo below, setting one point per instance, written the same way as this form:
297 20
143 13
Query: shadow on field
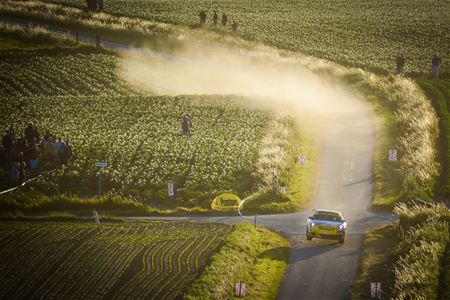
278 253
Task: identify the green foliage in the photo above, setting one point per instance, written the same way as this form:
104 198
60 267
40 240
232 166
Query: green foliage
418 267
439 93
256 257
355 33
126 260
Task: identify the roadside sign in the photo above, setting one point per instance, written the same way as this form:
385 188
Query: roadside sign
283 190
240 289
392 154
375 290
302 160
226 201
170 189
101 164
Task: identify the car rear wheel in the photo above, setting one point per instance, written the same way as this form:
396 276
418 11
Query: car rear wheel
308 237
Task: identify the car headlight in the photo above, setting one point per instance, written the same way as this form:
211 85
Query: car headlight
341 227
312 224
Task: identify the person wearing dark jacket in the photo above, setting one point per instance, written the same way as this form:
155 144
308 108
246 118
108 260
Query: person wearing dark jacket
215 18
224 19
436 61
400 62
202 16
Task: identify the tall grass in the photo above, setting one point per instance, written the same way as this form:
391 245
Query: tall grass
417 135
424 236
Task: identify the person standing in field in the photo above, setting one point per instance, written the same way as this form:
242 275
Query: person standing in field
186 125
436 61
400 62
224 19
101 4
234 26
202 16
215 18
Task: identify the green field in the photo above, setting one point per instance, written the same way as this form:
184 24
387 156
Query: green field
351 32
126 260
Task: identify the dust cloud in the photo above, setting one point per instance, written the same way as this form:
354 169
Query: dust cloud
263 76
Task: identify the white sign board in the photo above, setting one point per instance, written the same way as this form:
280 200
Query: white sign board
302 160
392 154
101 164
240 289
283 190
170 189
375 289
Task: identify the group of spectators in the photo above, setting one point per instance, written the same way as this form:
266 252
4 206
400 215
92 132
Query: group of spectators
400 61
215 20
24 156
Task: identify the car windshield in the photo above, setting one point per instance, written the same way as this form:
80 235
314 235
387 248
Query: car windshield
327 217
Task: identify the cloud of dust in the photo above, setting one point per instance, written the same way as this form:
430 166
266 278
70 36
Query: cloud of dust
263 76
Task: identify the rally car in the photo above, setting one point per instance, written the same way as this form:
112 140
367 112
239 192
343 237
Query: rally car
326 224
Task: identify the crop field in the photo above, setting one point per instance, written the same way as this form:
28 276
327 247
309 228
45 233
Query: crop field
154 260
362 33
80 97
77 74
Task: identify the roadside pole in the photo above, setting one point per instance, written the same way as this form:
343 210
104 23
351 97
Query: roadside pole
100 165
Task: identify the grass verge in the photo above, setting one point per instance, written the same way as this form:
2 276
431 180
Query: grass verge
409 257
376 262
254 256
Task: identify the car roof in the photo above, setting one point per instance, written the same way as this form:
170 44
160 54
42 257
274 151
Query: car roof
328 211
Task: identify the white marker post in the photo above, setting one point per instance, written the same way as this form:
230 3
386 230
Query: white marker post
375 290
392 155
240 289
100 165
97 220
170 189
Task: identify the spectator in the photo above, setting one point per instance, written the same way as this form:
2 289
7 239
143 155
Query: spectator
436 61
49 152
91 5
202 16
33 156
8 141
29 132
14 173
21 145
63 153
57 146
186 126
400 61
21 173
101 4
234 26
224 19
215 18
